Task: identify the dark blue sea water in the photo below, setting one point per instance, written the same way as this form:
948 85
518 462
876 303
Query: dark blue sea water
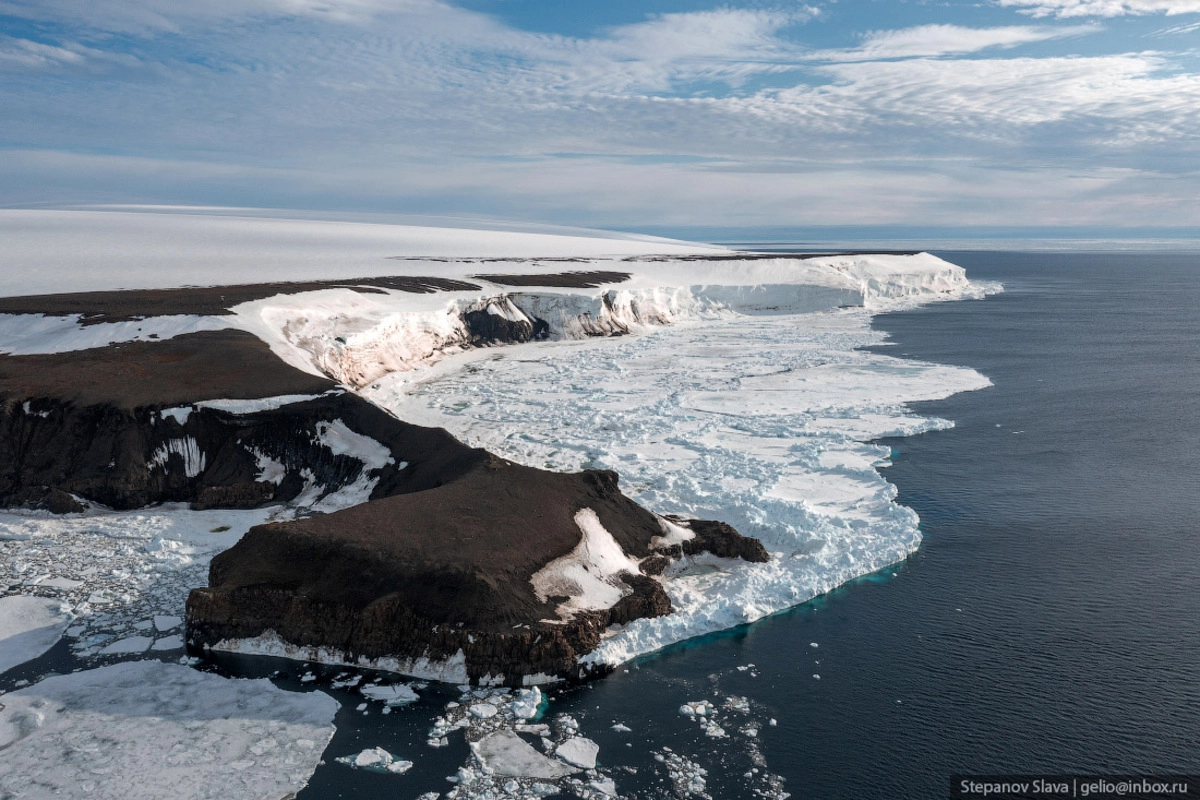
1049 622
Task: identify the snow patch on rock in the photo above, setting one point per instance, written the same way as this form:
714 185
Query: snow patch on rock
188 449
590 575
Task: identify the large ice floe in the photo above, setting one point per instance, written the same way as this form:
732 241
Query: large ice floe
145 729
29 626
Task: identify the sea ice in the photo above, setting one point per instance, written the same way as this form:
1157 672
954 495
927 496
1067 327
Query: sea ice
132 644
527 703
29 626
166 622
144 730
579 752
376 759
504 752
399 694
118 570
763 422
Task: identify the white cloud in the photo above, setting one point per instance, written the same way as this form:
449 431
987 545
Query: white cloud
22 53
144 16
1102 8
655 121
1111 99
944 40
1179 29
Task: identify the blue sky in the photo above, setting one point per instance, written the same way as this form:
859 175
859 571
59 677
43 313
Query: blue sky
616 113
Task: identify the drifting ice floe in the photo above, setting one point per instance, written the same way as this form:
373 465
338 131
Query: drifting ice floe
29 626
376 759
144 729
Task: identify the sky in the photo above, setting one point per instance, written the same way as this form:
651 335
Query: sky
613 113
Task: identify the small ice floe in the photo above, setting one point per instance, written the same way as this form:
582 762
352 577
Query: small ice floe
505 757
579 752
400 694
688 777
696 709
130 644
620 728
60 583
376 759
527 703
308 677
484 710
605 786
167 643
738 703
166 622
503 752
816 676
813 644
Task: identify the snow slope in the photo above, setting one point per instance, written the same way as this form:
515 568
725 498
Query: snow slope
47 251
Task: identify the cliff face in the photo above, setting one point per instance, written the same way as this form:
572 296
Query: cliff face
129 426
